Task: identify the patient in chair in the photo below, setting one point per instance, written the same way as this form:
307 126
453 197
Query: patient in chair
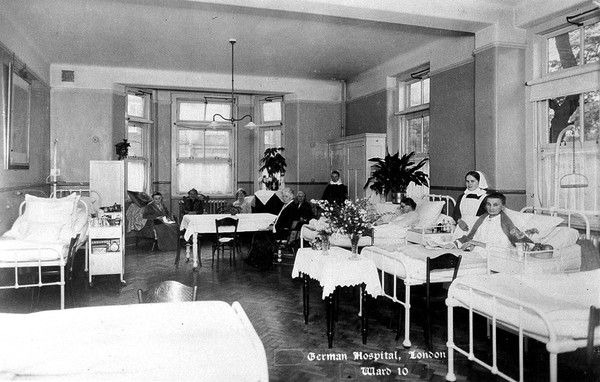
167 230
493 228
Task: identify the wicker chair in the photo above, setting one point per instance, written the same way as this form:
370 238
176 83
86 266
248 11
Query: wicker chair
167 291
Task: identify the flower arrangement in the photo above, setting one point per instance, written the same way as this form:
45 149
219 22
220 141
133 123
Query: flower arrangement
270 182
351 218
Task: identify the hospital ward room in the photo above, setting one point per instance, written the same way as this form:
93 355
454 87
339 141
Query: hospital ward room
332 190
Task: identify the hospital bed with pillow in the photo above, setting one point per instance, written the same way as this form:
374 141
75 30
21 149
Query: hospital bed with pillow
551 308
406 264
41 237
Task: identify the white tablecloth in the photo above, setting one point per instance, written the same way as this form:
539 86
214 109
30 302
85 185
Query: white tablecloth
205 223
335 269
204 340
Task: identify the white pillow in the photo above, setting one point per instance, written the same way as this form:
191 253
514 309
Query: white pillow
561 237
18 229
45 210
519 219
48 233
543 223
429 212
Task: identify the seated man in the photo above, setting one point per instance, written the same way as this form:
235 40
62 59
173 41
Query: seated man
493 228
288 214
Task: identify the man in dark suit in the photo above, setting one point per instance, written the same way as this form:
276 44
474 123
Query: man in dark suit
288 214
336 191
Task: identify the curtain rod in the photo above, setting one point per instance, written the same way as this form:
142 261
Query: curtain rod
570 18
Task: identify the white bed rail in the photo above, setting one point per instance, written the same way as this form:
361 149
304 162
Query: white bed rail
553 344
39 264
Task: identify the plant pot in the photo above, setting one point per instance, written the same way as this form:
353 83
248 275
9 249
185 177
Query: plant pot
397 197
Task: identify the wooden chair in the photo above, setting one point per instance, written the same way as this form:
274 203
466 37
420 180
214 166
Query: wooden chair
226 237
287 241
167 291
593 324
447 261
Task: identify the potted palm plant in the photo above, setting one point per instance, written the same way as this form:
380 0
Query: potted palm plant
393 174
274 164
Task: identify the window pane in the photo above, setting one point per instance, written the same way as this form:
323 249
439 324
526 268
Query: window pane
209 178
426 134
191 143
192 111
271 111
136 170
563 51
426 90
218 108
562 111
591 123
272 138
591 47
136 106
415 94
135 138
217 144
414 135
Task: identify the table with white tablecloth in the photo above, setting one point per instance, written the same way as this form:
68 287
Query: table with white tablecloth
334 270
184 341
205 224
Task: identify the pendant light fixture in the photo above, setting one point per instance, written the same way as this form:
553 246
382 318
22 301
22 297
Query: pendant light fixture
232 120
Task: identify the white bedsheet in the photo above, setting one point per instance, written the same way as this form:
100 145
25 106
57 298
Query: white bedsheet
205 340
14 250
563 299
409 262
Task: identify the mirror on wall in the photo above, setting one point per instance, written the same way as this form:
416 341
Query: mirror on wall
17 109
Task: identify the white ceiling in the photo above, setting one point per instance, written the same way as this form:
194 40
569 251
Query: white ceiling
321 39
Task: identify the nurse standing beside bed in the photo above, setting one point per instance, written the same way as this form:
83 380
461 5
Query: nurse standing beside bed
471 202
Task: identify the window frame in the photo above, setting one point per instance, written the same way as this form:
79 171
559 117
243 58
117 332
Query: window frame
178 125
145 123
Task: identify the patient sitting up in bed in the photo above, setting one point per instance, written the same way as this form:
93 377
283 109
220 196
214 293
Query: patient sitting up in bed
493 228
408 216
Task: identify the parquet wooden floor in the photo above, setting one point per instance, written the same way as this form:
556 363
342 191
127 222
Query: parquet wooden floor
273 302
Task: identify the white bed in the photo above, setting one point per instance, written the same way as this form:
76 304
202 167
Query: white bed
408 263
185 341
552 308
41 237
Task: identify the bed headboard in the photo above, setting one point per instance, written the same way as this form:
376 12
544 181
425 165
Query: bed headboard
448 200
574 218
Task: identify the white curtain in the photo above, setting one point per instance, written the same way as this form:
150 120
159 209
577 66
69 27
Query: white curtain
587 162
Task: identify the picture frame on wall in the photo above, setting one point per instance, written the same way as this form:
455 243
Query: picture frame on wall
17 116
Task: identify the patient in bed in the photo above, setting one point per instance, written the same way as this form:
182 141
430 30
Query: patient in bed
493 228
408 216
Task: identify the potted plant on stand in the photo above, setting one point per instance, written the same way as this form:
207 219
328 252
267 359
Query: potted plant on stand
393 174
274 164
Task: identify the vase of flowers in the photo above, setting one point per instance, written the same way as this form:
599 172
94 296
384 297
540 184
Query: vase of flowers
352 218
324 231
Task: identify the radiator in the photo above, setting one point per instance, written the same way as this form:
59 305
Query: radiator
212 206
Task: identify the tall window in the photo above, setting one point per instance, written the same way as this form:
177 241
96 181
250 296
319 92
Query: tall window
413 122
271 122
138 136
204 156
568 99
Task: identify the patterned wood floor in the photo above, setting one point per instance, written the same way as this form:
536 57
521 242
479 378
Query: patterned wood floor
273 302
